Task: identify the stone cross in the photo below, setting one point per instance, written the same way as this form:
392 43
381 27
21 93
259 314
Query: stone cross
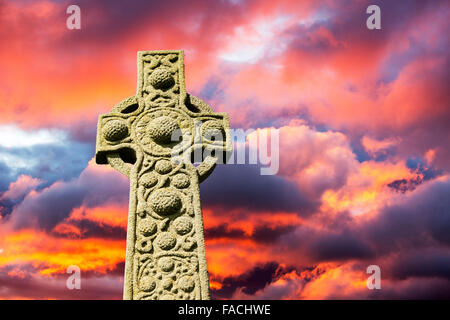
155 138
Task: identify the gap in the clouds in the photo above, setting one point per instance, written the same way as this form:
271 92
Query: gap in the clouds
47 154
358 149
420 165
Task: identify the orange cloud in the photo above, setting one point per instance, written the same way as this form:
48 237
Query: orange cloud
373 146
52 255
337 281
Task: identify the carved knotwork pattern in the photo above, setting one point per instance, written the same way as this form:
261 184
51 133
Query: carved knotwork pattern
161 80
167 277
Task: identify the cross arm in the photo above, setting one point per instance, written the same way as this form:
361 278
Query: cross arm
115 145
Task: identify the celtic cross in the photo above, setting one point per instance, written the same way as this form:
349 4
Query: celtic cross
154 138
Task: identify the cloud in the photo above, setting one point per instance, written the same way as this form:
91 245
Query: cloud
45 154
16 192
82 229
42 254
20 188
417 219
250 282
426 263
348 281
377 148
46 208
329 73
260 233
13 137
29 286
317 161
337 247
252 191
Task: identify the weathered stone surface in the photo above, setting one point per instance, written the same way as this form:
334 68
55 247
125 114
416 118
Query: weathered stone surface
165 256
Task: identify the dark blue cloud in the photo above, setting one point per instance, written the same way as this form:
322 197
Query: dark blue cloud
52 205
421 219
261 233
336 247
243 187
428 263
251 281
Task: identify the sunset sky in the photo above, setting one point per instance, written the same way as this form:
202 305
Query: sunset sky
363 118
